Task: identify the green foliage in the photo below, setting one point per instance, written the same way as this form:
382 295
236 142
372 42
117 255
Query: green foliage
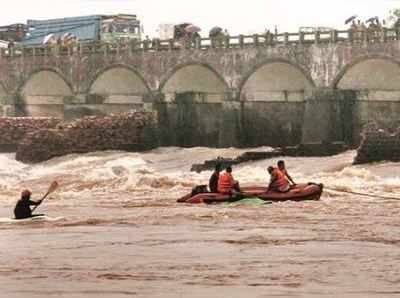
394 15
396 12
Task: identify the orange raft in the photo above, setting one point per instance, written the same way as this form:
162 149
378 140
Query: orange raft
300 192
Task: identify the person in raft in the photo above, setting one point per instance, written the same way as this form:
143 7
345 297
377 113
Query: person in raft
213 183
282 168
227 185
23 208
278 181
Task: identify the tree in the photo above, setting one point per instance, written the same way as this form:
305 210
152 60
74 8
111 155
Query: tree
394 17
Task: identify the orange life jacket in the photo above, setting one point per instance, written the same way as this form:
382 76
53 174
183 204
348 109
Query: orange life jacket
284 172
281 182
226 183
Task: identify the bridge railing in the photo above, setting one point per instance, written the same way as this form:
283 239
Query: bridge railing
221 42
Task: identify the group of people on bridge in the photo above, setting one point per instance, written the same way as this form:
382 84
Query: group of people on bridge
372 29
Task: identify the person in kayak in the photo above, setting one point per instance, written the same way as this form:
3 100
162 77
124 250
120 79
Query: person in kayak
226 183
278 181
213 182
282 168
22 209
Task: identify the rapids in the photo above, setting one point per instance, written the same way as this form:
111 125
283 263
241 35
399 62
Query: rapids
123 235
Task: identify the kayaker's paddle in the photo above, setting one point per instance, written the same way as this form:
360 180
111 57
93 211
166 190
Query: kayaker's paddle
53 186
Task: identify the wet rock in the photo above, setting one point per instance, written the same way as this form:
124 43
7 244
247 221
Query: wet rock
245 157
378 145
88 134
13 130
315 149
311 149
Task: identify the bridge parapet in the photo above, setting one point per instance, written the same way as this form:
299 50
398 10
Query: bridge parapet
224 42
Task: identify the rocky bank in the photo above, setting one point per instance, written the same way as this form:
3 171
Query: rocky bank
45 139
13 130
306 150
378 145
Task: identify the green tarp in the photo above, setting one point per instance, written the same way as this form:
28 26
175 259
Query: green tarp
249 202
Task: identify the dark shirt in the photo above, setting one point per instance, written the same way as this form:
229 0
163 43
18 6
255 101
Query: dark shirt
23 209
213 183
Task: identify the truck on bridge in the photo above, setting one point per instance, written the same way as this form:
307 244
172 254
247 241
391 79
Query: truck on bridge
105 28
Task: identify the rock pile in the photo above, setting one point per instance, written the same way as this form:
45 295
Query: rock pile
315 149
245 157
306 150
378 145
13 130
88 134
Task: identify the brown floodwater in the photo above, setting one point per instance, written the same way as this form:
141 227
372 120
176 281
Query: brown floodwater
116 231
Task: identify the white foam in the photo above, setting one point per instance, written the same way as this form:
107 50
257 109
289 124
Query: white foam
167 170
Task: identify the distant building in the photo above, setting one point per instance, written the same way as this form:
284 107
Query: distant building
107 28
13 32
3 44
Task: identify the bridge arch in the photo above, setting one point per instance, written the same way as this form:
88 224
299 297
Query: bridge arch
118 79
373 82
375 72
114 89
44 92
276 80
195 77
273 98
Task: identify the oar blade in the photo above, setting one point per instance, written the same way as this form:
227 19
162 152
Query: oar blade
53 186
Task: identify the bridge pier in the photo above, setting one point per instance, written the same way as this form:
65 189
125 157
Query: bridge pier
231 127
329 116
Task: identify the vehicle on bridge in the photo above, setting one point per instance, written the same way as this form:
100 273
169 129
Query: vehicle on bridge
182 34
13 32
105 28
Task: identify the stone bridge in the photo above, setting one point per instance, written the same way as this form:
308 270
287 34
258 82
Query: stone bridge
257 91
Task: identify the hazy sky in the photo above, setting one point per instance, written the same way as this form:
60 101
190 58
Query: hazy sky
245 17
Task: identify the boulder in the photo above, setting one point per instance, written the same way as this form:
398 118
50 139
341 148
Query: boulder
378 145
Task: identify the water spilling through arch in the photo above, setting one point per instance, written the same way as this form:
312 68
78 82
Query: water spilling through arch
44 94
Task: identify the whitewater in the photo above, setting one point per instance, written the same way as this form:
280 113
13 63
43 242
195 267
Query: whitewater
120 233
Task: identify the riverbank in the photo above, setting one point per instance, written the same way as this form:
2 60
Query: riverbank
39 139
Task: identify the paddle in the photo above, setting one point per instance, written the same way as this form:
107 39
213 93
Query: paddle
53 186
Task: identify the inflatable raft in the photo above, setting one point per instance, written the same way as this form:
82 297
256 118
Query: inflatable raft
300 192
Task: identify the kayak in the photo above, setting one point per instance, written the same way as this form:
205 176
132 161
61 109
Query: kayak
42 218
300 192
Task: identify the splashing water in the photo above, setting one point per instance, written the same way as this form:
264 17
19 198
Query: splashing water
165 172
123 234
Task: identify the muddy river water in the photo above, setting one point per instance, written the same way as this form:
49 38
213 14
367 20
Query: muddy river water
122 234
